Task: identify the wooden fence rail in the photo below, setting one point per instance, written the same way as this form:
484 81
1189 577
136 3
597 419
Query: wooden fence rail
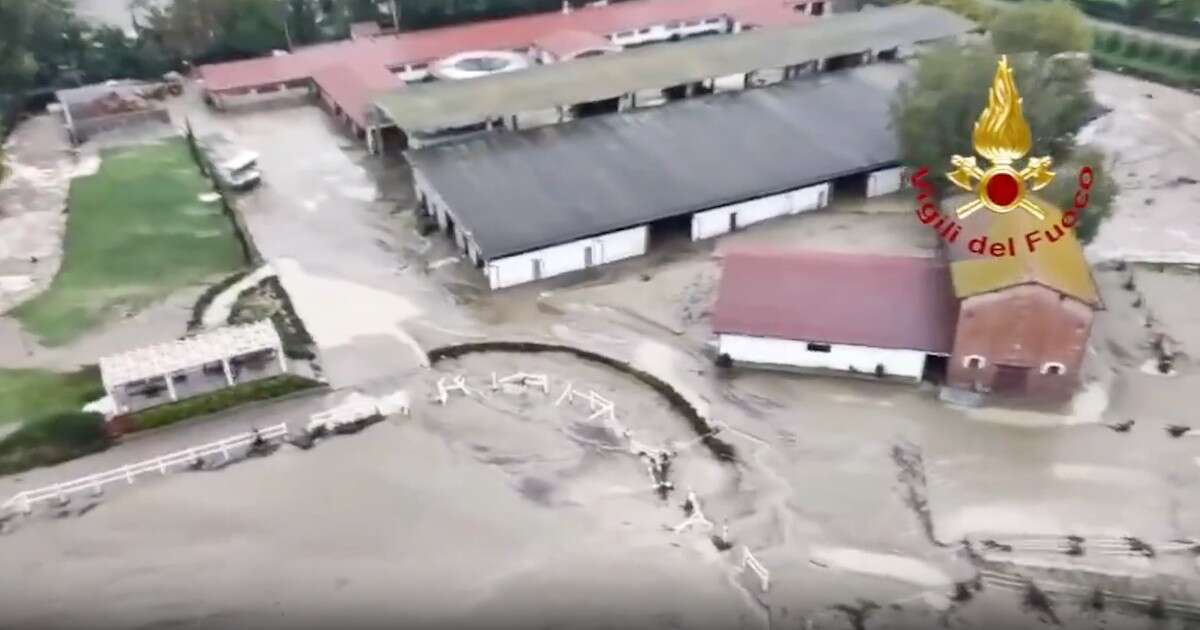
24 501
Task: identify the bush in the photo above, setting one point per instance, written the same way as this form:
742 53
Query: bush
51 440
1133 47
1194 60
221 400
1154 50
1109 41
1175 57
211 294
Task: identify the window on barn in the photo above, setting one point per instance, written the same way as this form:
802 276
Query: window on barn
643 31
819 347
818 8
974 361
1053 368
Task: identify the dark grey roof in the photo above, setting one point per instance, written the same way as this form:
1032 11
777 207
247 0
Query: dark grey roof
443 104
515 192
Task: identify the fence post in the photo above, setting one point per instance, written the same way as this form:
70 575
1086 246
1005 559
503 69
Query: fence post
128 475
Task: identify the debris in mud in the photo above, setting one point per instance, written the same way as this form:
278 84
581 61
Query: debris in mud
962 592
859 613
912 475
1157 608
1177 430
1182 180
992 545
1096 600
1129 284
1039 602
1122 427
723 542
1138 546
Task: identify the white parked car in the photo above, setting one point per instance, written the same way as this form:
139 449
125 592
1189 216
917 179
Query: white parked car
234 166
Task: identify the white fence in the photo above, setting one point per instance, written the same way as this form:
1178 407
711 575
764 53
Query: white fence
752 563
24 501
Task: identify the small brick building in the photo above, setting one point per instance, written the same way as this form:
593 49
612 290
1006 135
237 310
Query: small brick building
1025 317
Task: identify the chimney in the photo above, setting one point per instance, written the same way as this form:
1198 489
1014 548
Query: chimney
566 8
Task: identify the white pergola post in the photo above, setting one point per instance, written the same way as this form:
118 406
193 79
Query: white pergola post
371 140
282 358
171 387
228 372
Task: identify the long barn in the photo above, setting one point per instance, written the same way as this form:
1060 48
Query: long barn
538 203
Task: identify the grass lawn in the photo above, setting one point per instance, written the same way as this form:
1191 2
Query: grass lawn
136 233
30 394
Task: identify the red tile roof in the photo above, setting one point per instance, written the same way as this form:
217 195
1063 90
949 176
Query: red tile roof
391 51
352 87
876 301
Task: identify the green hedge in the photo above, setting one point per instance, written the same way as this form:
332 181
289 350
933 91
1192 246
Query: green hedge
222 400
51 440
211 294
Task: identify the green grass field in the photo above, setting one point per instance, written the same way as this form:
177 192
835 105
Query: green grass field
31 394
136 233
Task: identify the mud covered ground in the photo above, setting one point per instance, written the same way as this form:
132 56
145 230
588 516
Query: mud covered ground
501 509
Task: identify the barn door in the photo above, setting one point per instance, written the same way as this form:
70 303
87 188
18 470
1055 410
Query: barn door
588 259
537 269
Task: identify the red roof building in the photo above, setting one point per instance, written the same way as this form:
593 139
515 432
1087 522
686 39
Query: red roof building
887 302
413 51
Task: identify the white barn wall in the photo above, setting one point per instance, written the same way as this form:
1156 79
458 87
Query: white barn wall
568 257
841 357
715 222
886 181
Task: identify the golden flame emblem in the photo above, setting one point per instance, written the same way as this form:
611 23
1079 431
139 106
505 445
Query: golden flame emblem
1002 137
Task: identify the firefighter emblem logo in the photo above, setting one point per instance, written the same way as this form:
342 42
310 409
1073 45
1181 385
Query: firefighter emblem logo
1002 137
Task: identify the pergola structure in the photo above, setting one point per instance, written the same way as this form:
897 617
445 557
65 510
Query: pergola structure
134 378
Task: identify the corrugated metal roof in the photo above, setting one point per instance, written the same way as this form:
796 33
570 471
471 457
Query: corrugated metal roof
390 51
895 302
514 192
448 104
1059 265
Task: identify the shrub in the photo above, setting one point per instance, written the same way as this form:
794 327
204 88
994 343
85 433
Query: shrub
1194 60
53 439
1175 57
1109 41
1133 47
211 294
1154 50
222 400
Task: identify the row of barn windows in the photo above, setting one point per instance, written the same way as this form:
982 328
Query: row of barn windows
643 31
977 362
973 361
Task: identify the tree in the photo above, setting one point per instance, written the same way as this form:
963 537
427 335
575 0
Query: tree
1062 190
1140 11
934 112
1043 27
302 22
